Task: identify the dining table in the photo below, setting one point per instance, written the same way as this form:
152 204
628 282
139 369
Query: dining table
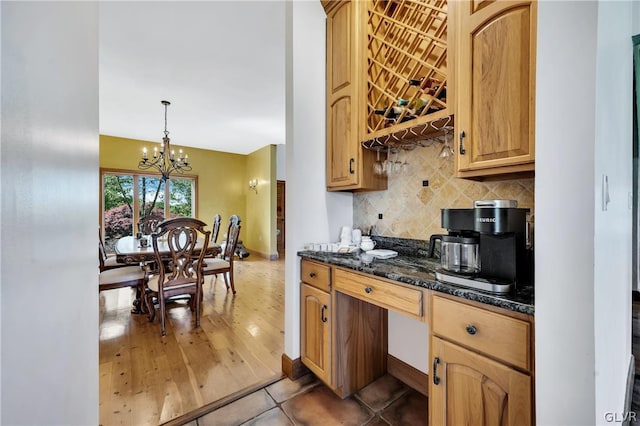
129 251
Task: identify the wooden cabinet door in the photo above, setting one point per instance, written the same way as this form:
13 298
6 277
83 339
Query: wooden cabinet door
315 331
473 389
496 87
349 166
342 96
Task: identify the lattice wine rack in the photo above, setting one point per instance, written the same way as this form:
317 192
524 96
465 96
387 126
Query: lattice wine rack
407 64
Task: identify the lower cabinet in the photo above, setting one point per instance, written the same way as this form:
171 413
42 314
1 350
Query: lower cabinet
481 356
481 365
468 388
316 331
315 327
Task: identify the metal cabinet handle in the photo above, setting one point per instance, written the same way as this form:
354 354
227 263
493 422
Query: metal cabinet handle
462 150
471 329
351 161
322 317
368 290
312 275
436 379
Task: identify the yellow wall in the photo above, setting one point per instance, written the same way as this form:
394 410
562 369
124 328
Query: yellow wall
259 228
222 183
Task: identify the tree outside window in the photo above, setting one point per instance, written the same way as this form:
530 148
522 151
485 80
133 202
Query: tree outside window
123 206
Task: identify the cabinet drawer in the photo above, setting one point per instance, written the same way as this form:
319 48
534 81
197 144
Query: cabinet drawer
380 293
316 275
494 334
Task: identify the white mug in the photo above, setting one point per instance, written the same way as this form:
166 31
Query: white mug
345 233
356 236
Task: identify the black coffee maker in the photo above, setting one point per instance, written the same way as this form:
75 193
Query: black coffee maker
503 257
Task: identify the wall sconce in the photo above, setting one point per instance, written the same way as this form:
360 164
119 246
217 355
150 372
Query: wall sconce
253 185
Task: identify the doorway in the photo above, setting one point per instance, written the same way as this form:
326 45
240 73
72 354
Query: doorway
280 217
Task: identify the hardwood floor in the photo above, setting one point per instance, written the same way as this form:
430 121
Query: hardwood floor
146 379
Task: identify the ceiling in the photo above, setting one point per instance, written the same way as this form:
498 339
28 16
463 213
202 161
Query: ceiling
221 64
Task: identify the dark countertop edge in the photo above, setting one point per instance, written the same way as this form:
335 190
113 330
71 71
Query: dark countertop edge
346 261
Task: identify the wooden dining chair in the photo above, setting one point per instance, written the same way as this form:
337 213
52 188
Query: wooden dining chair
149 223
182 273
105 261
216 228
224 264
126 276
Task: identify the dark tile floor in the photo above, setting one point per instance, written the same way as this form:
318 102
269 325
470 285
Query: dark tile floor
307 401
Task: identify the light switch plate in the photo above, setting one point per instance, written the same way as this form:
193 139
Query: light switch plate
606 199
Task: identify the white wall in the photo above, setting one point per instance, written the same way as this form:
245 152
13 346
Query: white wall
409 341
613 158
583 253
0 213
564 193
313 215
49 176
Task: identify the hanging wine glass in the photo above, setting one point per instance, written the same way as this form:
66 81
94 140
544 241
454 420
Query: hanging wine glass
377 166
447 150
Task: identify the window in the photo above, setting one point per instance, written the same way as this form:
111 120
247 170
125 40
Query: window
127 197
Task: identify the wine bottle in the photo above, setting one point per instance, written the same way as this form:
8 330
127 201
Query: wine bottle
393 112
442 95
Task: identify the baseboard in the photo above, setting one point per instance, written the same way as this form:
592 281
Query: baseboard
274 256
293 368
631 375
408 374
207 408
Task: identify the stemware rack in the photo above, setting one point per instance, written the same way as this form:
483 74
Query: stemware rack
406 67
408 137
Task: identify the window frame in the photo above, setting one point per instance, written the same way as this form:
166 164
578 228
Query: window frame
136 199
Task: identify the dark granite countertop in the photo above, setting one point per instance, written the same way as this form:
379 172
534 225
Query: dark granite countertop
418 270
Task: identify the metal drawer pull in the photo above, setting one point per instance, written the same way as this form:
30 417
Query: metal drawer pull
462 150
313 275
368 290
436 379
324 308
471 329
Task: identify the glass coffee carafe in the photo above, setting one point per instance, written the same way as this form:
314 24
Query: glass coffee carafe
460 254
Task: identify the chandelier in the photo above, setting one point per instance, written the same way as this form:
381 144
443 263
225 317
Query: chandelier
165 160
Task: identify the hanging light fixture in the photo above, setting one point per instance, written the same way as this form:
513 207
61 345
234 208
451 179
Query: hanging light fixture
165 160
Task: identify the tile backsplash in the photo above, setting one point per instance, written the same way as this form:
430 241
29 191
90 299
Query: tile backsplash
411 210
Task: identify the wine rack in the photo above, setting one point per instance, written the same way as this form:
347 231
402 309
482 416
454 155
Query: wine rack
407 67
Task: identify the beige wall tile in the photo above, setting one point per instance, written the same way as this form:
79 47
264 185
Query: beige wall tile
413 211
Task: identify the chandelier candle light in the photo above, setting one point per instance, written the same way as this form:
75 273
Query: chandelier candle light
165 160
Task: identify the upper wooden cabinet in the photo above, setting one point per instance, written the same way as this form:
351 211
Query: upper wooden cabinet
349 166
496 46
